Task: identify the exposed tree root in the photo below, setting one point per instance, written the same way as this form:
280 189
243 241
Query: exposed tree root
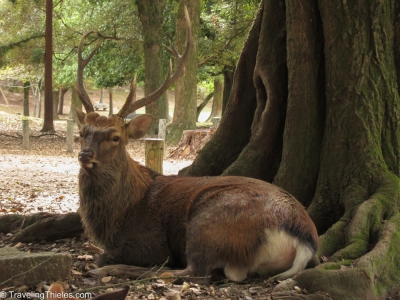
363 252
41 226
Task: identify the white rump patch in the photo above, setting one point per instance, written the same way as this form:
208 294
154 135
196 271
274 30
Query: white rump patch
282 255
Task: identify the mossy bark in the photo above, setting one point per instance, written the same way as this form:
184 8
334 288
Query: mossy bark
151 17
328 133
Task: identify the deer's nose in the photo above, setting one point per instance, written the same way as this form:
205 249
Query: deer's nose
85 156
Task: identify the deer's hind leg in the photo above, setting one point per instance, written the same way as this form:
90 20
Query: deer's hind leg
195 273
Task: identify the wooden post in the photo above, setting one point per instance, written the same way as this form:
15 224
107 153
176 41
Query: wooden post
162 126
25 134
154 154
70 135
216 121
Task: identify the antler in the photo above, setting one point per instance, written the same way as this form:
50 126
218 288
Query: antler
81 66
132 105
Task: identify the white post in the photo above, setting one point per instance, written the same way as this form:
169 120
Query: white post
162 126
70 135
154 154
216 121
25 134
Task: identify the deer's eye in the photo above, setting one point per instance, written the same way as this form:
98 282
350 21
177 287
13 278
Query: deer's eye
80 134
116 138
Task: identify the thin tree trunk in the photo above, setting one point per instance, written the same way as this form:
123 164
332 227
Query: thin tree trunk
203 104
40 87
216 109
56 97
48 70
186 86
111 106
75 103
101 95
62 92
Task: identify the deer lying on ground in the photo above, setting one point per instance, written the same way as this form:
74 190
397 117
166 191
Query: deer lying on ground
142 218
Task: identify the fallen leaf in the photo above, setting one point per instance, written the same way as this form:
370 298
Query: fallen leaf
85 257
106 279
75 272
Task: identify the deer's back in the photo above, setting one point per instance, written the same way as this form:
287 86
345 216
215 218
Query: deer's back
230 209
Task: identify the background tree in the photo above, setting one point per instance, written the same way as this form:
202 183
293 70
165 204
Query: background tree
21 54
223 30
186 86
151 17
316 91
216 109
48 70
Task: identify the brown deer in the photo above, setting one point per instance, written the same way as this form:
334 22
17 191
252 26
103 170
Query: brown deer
143 218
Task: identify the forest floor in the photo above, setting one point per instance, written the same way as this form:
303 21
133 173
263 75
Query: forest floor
44 179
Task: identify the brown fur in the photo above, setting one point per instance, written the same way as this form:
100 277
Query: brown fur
143 218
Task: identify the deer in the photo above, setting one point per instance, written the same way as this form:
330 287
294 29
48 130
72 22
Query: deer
193 225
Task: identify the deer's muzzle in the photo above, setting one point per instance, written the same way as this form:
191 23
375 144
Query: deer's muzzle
86 159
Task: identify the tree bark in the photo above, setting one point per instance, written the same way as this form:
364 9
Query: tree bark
216 109
186 86
228 83
325 128
60 110
75 103
56 99
111 106
203 104
48 70
151 17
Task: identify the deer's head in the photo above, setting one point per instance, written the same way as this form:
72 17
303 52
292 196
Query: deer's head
102 138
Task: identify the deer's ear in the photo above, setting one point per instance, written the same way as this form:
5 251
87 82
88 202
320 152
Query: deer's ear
80 117
139 126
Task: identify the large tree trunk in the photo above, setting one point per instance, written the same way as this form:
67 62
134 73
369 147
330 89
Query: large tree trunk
323 98
186 86
151 17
